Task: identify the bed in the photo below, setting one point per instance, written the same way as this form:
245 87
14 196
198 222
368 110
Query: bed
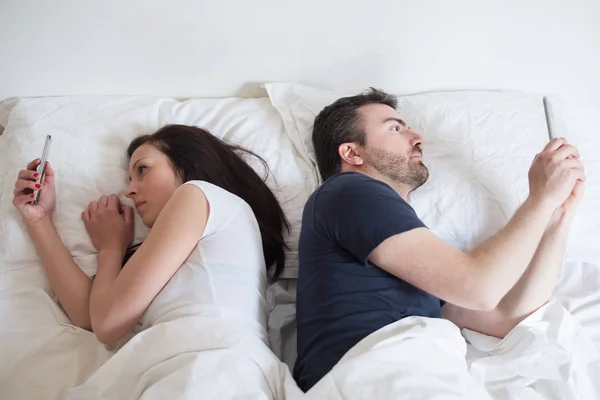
470 136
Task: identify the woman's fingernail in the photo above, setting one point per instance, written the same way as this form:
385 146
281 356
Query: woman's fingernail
33 196
38 186
36 175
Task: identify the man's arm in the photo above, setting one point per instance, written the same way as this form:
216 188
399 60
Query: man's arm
476 280
533 289
479 280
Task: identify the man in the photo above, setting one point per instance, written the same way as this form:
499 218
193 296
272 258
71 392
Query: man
367 260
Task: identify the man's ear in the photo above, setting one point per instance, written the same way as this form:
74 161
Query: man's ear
349 154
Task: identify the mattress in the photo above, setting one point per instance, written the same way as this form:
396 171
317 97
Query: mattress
472 192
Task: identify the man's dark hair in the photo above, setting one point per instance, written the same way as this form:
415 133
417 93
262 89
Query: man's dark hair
339 123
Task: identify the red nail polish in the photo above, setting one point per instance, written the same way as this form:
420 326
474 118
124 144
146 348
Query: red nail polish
33 196
38 186
36 175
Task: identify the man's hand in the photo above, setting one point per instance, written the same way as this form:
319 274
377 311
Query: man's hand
554 172
574 198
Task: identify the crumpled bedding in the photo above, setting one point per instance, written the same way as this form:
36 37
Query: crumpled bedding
547 356
190 357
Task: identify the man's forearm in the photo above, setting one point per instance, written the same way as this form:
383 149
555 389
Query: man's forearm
530 292
535 286
502 259
70 284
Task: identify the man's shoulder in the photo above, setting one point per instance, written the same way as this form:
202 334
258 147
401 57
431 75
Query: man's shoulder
352 192
353 178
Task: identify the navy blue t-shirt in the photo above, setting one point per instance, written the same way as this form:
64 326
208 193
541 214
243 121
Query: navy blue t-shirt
342 297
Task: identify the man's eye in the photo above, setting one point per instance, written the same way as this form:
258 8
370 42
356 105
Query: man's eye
141 169
397 128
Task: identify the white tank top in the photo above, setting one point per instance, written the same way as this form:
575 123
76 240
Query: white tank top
224 276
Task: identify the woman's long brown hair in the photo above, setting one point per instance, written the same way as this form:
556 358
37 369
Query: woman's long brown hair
198 155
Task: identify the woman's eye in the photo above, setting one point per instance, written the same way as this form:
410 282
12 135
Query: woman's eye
397 128
141 169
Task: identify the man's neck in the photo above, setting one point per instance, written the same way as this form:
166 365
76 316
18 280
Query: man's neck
402 189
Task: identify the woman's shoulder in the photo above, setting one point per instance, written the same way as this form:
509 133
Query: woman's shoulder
216 193
224 206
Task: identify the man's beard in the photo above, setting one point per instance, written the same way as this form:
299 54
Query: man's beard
401 170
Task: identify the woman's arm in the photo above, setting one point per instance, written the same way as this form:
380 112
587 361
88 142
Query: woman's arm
119 299
70 284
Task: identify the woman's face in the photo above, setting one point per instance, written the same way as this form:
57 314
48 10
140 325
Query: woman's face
152 182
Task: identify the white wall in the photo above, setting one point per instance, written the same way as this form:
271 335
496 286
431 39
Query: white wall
191 48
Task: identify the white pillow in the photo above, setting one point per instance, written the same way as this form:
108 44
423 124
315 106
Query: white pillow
90 136
478 147
5 108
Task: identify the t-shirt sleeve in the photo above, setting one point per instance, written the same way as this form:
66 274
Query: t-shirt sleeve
359 213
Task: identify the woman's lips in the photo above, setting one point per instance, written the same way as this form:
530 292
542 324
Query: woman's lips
138 205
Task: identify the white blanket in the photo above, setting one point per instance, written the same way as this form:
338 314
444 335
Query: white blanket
190 358
547 356
42 355
178 359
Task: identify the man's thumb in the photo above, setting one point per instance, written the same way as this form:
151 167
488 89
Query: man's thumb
579 189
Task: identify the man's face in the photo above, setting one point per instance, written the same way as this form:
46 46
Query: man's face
391 147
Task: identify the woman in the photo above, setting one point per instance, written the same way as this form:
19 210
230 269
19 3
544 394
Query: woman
214 226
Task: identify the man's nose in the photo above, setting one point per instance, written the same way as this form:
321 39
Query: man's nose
416 139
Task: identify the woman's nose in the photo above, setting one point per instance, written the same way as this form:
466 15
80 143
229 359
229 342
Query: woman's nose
130 190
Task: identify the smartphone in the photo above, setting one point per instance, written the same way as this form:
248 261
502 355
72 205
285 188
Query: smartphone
41 169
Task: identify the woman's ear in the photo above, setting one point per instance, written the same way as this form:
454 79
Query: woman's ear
349 154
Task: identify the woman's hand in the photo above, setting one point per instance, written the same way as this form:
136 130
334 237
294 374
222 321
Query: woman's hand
109 224
23 193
